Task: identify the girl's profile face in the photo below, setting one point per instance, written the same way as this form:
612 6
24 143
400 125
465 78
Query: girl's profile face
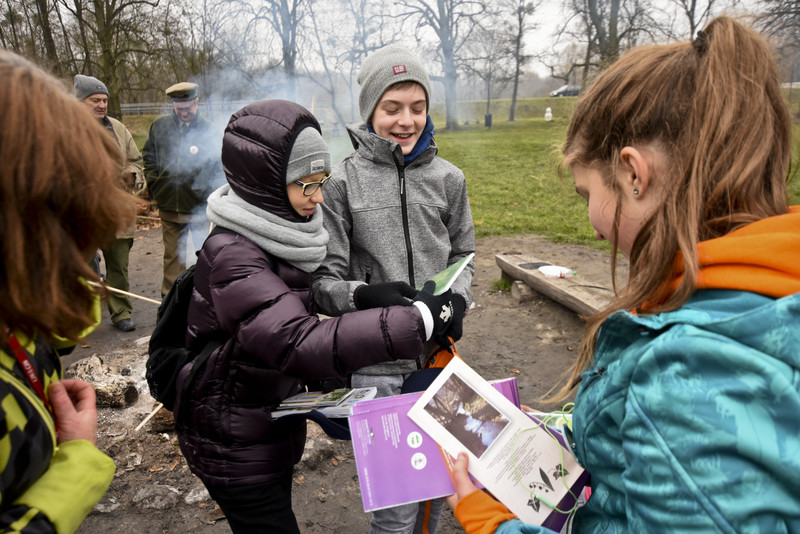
302 204
602 204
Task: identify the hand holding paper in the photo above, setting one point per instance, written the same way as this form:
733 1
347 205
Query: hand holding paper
461 481
436 310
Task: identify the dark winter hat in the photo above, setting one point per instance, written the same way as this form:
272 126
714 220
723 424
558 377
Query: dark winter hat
86 86
386 67
256 149
182 91
309 155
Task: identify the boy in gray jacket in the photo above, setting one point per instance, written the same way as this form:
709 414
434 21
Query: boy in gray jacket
397 214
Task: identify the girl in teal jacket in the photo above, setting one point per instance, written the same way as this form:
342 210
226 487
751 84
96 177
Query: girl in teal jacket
60 201
688 403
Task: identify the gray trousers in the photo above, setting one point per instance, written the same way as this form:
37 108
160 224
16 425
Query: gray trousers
406 518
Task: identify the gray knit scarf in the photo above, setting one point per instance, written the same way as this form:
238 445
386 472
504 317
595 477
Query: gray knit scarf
300 244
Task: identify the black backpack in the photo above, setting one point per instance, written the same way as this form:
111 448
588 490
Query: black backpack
167 353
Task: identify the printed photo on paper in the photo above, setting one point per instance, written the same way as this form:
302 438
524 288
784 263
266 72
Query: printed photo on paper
466 415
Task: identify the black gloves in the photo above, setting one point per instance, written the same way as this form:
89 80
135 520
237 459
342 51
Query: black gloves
459 309
383 295
440 308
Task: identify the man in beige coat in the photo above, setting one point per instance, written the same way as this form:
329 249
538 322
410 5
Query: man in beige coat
94 94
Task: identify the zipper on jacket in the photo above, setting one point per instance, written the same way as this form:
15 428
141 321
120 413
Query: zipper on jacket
404 208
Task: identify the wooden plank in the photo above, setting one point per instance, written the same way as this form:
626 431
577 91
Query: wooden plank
576 293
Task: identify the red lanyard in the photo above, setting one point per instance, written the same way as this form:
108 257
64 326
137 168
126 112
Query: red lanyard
30 371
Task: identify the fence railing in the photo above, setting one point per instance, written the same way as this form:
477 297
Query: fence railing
158 108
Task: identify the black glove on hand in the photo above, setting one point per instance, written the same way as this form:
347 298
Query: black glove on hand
440 307
383 295
456 329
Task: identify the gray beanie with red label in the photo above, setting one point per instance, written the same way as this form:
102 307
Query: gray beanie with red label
384 68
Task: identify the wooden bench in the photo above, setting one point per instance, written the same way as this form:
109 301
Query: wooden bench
576 293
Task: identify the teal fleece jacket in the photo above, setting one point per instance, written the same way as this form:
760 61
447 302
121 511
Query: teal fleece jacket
688 420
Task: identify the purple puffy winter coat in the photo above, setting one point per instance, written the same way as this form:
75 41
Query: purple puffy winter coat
263 306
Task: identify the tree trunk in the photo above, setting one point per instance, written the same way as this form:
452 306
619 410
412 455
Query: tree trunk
47 36
517 75
450 92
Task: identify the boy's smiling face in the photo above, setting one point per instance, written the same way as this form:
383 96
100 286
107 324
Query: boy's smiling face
400 116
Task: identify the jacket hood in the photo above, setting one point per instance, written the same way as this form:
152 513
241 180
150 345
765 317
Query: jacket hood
762 257
255 153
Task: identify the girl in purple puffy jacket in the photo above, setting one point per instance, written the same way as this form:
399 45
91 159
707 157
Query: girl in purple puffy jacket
253 290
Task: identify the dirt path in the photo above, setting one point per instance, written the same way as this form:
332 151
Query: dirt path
154 491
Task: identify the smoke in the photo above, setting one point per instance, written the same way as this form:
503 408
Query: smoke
192 239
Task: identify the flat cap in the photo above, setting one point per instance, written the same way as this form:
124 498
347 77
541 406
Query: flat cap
182 91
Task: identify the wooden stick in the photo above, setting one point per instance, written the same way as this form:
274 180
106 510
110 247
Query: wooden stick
146 419
115 290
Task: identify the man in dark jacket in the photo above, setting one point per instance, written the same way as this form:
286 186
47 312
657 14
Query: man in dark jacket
182 166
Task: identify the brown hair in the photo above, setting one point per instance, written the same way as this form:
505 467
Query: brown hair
713 106
60 200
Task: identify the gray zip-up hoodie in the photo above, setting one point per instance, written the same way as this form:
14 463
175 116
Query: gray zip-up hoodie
391 222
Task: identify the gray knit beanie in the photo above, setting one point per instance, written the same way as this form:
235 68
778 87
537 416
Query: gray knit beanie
386 67
88 86
309 155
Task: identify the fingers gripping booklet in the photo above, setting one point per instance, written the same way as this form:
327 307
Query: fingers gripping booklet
523 463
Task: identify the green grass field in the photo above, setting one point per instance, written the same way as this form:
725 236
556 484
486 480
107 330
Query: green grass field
511 169
513 181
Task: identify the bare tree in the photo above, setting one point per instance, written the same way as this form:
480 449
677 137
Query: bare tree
683 18
27 30
339 44
283 18
108 31
11 27
332 63
43 10
453 22
605 29
780 17
520 21
489 61
697 13
781 20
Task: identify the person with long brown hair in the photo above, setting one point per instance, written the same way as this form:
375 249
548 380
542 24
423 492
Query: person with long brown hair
688 398
59 202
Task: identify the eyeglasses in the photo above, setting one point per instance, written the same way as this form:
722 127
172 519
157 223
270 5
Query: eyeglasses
309 188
